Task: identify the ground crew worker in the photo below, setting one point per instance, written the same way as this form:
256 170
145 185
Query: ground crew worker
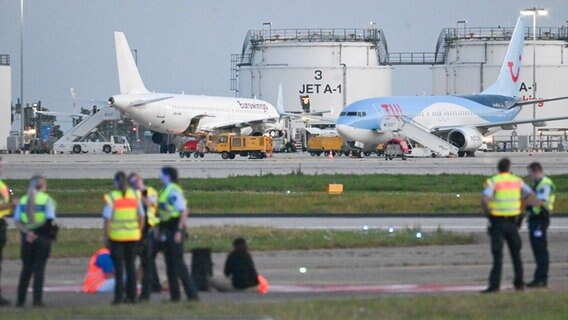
502 203
172 211
34 217
100 275
123 222
538 222
6 206
145 248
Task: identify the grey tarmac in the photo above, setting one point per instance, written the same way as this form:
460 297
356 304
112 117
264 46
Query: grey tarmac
81 166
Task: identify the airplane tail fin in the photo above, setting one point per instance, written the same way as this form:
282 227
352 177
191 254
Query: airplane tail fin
507 83
128 75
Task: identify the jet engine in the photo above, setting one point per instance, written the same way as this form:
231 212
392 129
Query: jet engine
466 138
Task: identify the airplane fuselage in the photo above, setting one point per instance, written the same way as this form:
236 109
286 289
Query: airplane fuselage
175 113
361 120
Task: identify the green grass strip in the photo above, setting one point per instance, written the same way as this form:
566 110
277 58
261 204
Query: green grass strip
83 242
367 194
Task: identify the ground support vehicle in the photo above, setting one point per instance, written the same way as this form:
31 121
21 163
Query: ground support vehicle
230 145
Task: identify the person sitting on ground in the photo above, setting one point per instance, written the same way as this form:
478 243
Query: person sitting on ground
100 275
239 270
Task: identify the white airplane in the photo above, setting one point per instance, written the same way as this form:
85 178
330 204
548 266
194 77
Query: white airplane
460 120
180 114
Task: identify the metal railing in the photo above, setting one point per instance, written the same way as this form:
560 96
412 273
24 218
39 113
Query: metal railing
4 59
315 35
498 33
412 58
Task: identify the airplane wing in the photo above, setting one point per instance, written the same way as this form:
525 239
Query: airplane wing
501 124
212 126
54 113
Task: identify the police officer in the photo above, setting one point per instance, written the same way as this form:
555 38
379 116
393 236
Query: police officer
34 217
123 222
145 248
538 222
5 208
502 203
173 212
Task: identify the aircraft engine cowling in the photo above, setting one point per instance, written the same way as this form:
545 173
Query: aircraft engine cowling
465 138
158 138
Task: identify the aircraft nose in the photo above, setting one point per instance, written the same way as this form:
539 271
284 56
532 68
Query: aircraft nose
345 131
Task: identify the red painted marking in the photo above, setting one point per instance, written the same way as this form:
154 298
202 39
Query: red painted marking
386 107
514 76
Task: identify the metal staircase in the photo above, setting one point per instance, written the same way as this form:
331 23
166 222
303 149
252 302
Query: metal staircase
412 130
90 123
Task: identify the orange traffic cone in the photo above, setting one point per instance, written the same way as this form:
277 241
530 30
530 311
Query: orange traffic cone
262 285
330 155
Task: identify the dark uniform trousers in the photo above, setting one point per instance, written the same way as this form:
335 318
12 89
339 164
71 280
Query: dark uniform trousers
147 254
123 256
175 265
34 258
537 234
505 229
3 236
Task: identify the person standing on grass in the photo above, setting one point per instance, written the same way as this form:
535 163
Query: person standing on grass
6 206
123 223
538 222
34 217
502 202
145 248
172 212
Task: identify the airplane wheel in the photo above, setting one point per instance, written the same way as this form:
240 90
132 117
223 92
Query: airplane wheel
171 148
77 149
461 154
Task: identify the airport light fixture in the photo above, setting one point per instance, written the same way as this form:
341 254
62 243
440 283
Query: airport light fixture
534 11
269 24
464 22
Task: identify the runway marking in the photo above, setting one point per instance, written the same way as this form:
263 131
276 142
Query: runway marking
391 288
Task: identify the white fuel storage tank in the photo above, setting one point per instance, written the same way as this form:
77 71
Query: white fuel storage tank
473 58
319 69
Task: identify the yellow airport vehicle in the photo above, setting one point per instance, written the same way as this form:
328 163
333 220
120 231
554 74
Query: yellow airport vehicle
326 145
230 145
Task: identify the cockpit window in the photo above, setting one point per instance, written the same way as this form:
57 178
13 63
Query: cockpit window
360 114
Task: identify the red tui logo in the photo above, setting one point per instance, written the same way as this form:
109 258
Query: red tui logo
514 76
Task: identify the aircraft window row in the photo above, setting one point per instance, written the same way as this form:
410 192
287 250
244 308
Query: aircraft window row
218 109
452 113
353 114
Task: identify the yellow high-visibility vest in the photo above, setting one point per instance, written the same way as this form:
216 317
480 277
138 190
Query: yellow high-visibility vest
506 201
152 210
167 210
124 220
41 199
549 203
4 199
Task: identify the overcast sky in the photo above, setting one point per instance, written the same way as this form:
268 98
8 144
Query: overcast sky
186 45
